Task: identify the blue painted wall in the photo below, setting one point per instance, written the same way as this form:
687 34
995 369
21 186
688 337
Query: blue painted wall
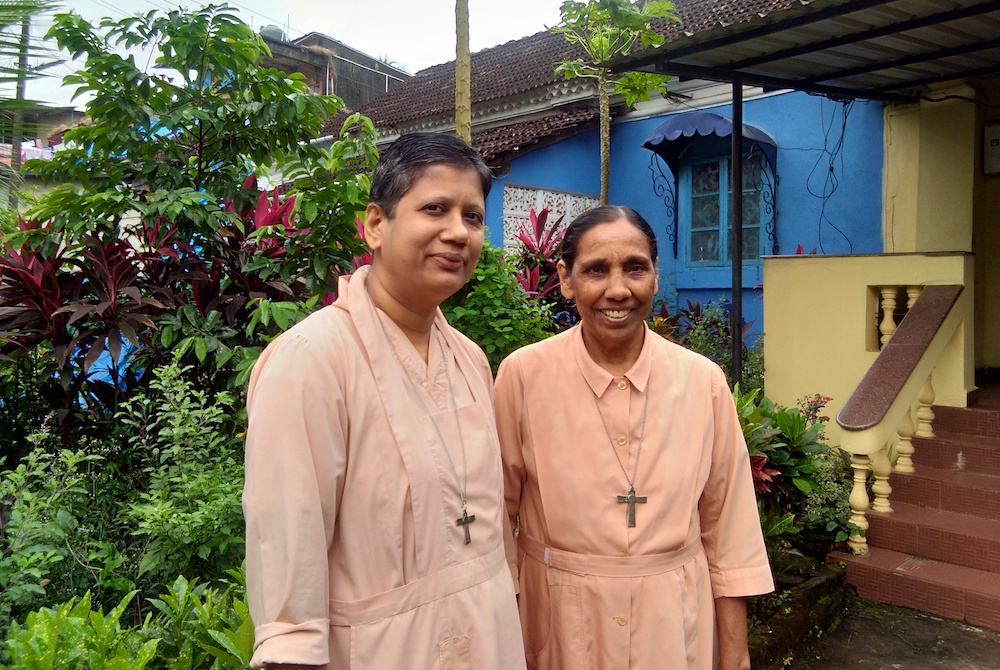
572 164
829 186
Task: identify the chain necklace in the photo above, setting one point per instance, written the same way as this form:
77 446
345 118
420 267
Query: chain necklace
463 483
630 498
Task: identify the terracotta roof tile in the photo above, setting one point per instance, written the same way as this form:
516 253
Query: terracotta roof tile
527 63
698 15
504 70
504 142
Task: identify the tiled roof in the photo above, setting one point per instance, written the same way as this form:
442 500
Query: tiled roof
526 64
505 70
505 142
698 15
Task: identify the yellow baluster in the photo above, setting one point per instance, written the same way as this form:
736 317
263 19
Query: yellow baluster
888 325
881 466
859 504
904 448
925 415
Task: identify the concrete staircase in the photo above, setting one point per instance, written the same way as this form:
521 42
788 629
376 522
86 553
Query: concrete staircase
938 551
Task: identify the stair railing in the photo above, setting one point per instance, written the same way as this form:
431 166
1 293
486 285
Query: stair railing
881 409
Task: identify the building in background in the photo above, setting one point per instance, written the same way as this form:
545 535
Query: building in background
331 67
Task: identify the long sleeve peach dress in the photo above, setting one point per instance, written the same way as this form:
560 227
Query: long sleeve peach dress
355 557
596 593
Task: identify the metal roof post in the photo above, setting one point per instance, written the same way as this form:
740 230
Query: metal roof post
736 236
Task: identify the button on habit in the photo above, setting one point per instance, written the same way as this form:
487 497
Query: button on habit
622 439
623 384
621 619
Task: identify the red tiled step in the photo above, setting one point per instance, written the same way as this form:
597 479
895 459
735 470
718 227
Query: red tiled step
952 591
971 493
967 420
979 453
937 534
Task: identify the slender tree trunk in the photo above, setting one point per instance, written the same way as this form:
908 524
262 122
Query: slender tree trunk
18 129
605 108
463 73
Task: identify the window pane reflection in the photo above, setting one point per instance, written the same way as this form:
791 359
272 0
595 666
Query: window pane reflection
705 178
705 246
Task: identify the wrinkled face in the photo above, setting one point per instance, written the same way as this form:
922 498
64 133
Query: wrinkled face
613 280
428 249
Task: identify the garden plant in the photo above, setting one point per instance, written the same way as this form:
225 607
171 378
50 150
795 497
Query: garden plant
135 297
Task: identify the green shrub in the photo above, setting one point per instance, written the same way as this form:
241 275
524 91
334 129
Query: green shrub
190 513
802 487
158 499
56 537
198 626
707 330
74 636
494 310
827 508
193 626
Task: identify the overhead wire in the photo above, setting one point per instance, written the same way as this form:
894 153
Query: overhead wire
826 163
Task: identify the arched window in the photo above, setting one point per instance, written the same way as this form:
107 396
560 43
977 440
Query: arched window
690 172
703 204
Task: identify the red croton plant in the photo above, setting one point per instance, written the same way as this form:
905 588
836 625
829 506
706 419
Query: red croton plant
536 261
136 296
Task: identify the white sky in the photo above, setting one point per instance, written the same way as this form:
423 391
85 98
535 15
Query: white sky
415 34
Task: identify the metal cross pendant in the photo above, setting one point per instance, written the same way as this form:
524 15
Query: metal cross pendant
466 519
631 499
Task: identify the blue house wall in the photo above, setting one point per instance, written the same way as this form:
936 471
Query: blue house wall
572 164
828 191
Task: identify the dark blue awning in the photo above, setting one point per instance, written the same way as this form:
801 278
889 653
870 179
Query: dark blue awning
674 135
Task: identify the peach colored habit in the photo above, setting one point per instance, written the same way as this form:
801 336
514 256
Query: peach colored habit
595 593
354 557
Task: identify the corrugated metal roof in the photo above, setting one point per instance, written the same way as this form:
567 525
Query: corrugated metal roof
880 49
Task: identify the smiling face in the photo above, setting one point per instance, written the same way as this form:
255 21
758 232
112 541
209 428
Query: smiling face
428 248
613 280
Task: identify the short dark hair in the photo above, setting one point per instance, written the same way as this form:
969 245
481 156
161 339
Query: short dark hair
599 215
403 161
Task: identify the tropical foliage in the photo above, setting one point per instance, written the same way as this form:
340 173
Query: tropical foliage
157 240
17 50
134 299
494 310
535 259
707 329
605 29
802 485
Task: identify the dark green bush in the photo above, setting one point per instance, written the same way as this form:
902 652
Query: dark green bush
494 311
707 330
159 498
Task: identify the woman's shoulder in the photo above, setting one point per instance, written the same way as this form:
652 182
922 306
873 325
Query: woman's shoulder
321 332
550 349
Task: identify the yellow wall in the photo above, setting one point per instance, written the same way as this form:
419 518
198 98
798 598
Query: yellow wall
826 314
930 166
986 240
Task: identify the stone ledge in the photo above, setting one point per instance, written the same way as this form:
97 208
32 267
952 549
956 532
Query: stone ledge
806 611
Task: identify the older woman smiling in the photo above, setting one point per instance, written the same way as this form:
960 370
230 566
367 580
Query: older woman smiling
627 476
